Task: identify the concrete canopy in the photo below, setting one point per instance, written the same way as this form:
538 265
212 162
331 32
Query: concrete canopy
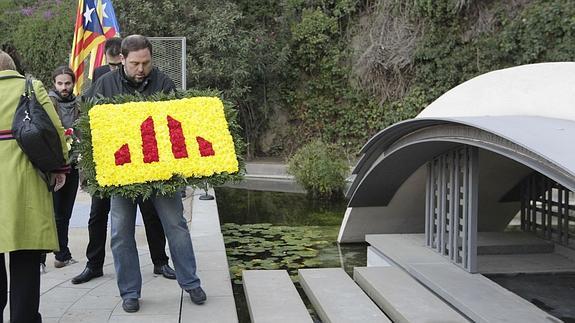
524 114
530 107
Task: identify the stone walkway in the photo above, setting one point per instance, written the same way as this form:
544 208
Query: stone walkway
162 299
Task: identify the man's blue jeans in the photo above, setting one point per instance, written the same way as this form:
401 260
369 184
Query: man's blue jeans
123 222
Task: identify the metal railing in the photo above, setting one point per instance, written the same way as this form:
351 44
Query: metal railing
169 55
547 209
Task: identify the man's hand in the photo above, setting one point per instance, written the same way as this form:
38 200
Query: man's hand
60 180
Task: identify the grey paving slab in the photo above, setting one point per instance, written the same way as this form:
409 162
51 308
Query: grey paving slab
108 287
174 318
212 266
216 283
525 263
206 224
511 243
85 316
98 300
272 297
337 298
208 242
211 260
214 310
61 274
471 294
159 296
404 248
402 298
476 296
205 217
54 309
64 294
94 283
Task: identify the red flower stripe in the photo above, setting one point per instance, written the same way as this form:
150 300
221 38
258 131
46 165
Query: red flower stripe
177 138
205 147
122 155
149 143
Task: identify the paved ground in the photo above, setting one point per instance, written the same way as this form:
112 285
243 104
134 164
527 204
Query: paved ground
162 299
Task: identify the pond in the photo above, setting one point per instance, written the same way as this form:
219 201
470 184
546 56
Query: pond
553 293
274 230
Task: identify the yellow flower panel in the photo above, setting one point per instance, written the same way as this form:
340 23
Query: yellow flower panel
118 140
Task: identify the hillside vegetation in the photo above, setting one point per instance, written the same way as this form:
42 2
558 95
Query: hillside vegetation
339 70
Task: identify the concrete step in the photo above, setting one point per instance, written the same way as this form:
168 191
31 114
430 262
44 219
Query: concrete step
268 184
402 298
272 297
505 243
476 296
265 168
336 297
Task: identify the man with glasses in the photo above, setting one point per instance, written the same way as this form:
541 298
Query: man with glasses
112 49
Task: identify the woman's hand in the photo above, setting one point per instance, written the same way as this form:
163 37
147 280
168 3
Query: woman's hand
60 180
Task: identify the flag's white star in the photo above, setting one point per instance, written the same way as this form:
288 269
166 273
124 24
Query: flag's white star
88 15
104 14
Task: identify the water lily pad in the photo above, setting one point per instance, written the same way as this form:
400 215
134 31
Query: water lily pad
310 263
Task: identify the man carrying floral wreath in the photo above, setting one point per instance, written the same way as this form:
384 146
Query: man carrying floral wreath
138 75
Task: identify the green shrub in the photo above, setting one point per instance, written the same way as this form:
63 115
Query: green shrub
41 32
320 168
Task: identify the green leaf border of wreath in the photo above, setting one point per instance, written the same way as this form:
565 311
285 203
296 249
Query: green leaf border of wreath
165 187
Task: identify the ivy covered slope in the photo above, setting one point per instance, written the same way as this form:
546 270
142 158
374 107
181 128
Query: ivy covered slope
339 70
408 53
160 187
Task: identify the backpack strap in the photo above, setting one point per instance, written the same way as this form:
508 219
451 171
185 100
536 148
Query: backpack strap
29 90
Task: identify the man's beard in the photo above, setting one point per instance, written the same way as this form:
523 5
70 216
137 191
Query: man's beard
132 79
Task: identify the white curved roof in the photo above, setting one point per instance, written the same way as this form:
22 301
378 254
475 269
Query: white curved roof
526 113
545 90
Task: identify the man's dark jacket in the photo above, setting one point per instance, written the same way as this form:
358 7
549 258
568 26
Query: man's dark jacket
116 82
99 71
67 107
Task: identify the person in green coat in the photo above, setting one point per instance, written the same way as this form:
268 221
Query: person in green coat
27 224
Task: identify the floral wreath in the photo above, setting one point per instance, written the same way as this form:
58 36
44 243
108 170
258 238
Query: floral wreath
165 156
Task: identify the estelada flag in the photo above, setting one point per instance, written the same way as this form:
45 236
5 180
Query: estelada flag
89 33
111 28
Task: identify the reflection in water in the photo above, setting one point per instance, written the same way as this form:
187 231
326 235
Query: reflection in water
245 207
553 293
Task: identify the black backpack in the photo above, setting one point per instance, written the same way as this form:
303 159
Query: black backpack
35 133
